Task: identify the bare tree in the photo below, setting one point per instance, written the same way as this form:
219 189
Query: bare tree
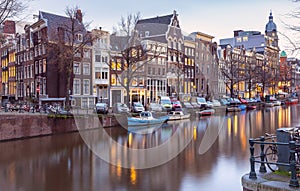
67 44
130 55
232 69
12 8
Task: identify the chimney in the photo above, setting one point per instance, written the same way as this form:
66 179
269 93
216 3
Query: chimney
9 27
79 15
236 33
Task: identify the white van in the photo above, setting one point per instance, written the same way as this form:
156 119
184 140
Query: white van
165 102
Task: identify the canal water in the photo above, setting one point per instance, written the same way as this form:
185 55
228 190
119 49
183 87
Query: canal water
207 153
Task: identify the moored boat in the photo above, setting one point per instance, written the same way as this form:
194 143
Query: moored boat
146 118
233 108
205 112
291 101
178 115
251 107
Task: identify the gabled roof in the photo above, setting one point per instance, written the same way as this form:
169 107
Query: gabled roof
159 20
55 21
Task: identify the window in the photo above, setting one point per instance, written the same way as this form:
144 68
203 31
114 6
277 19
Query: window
113 79
98 58
76 86
245 38
86 53
44 65
105 75
36 67
25 69
79 37
84 102
44 49
40 66
86 68
76 67
98 75
86 87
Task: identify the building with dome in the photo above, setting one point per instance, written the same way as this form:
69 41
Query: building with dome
266 50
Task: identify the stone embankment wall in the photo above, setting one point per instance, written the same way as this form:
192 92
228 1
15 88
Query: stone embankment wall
14 126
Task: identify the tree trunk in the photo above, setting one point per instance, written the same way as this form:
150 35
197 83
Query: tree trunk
68 105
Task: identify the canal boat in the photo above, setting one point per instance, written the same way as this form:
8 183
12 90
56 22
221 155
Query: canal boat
178 115
291 101
146 118
233 108
205 112
251 107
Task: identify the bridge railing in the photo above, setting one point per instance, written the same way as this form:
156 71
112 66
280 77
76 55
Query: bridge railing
262 142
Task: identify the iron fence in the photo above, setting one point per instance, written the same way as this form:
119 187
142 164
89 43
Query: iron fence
261 158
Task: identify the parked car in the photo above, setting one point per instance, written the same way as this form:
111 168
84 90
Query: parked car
137 107
165 102
155 107
202 102
187 105
176 105
101 108
120 108
209 104
224 101
195 105
215 103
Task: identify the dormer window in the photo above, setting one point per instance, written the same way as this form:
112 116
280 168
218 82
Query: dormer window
79 37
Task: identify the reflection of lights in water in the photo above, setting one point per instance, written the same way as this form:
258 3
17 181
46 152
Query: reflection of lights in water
119 168
195 133
235 122
132 175
229 126
130 139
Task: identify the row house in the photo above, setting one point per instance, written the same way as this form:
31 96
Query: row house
8 69
40 74
264 44
171 73
206 66
295 82
100 60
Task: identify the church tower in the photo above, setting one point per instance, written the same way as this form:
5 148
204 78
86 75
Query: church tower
271 31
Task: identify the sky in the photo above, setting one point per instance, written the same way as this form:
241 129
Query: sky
218 18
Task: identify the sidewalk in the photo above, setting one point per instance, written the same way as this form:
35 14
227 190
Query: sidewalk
267 182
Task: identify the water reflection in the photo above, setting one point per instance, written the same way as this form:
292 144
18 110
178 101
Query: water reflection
215 157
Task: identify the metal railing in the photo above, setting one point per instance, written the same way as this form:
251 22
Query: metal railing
261 158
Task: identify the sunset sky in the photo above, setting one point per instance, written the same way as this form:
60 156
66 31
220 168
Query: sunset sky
218 18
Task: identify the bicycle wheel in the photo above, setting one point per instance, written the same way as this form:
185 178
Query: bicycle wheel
271 157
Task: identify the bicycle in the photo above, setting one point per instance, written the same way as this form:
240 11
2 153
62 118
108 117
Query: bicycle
271 152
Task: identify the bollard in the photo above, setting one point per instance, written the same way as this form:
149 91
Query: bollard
262 168
294 181
252 174
5 108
